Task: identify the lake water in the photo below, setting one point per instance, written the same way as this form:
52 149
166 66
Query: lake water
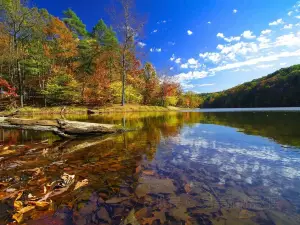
239 167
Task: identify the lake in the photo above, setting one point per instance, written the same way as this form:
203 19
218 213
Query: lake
192 167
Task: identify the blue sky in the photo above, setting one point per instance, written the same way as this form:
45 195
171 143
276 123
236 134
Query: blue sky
208 45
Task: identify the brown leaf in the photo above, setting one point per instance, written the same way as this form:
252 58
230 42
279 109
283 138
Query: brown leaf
82 183
187 188
149 172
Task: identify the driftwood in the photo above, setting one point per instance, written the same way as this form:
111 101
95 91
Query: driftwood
63 128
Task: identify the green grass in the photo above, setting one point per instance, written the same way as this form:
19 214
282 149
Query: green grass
83 109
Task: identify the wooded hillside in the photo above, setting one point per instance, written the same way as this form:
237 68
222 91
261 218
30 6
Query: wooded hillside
279 89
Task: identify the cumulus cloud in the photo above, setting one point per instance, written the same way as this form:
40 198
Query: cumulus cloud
191 75
220 35
189 32
276 22
288 26
290 13
248 34
184 66
155 49
213 57
209 22
228 39
192 61
298 17
265 32
235 11
141 44
178 60
172 57
288 40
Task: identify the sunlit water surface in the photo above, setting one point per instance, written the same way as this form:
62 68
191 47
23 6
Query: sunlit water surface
173 168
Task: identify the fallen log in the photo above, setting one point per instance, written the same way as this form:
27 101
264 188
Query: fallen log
63 128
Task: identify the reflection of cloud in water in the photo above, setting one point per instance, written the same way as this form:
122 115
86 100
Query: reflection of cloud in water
240 157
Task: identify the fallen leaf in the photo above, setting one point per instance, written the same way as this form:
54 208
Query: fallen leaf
18 217
82 183
26 209
187 188
149 172
18 205
42 205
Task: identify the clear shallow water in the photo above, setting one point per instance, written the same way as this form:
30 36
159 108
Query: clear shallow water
188 167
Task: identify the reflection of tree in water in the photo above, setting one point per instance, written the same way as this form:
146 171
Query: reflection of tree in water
109 163
282 127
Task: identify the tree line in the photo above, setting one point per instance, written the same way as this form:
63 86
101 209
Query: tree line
279 89
48 60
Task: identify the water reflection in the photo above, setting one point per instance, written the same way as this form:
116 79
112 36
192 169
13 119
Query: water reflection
191 167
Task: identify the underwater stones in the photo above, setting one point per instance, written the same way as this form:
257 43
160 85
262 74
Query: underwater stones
103 215
116 200
151 185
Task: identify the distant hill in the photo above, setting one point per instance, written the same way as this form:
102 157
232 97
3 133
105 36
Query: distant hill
279 89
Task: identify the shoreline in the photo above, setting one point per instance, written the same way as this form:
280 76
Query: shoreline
83 110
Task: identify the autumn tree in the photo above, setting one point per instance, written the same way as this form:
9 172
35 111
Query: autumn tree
128 27
20 22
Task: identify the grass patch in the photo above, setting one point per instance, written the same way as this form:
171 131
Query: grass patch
83 109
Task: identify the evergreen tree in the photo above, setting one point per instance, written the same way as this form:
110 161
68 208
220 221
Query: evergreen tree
75 24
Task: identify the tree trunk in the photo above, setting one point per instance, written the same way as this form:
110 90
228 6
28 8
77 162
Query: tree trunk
123 80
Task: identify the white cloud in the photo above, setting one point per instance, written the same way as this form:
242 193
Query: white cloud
155 49
220 47
203 85
209 22
184 66
235 11
228 39
189 32
264 32
154 31
264 66
172 57
288 26
178 60
220 35
193 61
288 40
283 64
191 75
290 13
171 68
255 61
248 34
263 39
214 57
276 22
141 44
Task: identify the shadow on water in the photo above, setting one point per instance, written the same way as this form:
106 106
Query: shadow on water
174 167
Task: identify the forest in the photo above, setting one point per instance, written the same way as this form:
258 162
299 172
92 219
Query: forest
279 89
46 60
